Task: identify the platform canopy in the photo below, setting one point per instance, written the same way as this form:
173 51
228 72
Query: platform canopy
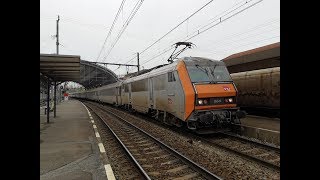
94 75
60 67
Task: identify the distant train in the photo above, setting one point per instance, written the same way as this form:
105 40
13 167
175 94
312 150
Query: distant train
193 92
259 89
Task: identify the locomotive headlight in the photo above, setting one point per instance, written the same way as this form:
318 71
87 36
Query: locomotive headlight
205 101
200 101
228 100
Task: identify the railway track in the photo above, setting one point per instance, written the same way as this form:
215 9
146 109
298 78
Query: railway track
255 142
123 166
153 158
225 169
265 155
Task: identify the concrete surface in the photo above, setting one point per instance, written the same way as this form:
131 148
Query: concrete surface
262 128
262 122
68 147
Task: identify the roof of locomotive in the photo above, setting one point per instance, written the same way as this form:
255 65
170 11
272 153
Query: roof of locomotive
192 61
189 61
155 72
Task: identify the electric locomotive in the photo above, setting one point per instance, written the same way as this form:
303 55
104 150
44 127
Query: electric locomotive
200 95
192 92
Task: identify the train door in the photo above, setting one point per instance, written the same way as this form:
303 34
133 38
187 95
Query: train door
117 95
120 99
124 98
171 92
129 87
151 98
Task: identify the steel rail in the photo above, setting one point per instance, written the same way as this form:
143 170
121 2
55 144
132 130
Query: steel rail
204 172
142 171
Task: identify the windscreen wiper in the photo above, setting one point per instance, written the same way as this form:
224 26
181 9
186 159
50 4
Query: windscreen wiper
212 72
203 69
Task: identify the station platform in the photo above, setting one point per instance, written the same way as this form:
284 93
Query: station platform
68 146
261 122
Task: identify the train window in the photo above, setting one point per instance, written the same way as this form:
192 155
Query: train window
141 85
220 73
198 74
171 77
159 82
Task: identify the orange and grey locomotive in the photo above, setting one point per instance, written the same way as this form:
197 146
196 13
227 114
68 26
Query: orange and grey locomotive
193 92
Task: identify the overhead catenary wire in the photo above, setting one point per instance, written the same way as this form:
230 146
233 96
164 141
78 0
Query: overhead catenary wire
244 38
134 56
220 14
130 59
220 21
243 2
125 25
255 28
248 34
181 38
176 27
141 52
162 52
110 31
227 38
230 36
244 45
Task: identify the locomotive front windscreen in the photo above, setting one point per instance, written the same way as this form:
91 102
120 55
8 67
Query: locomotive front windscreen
209 74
